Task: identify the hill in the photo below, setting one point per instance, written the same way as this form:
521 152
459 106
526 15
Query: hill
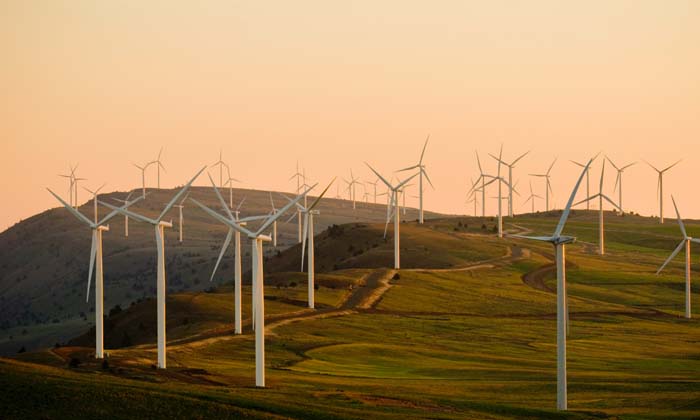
466 330
44 260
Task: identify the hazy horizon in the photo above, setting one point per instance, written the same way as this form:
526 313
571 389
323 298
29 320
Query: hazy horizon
334 85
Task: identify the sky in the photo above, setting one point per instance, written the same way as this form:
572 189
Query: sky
335 84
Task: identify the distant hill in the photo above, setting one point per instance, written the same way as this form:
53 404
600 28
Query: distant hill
44 259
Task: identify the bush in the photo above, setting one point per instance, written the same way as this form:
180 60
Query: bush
396 276
105 364
74 362
22 350
117 309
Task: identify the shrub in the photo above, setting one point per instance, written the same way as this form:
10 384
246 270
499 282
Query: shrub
74 362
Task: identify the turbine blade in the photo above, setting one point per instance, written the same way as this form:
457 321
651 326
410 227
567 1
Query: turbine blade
552 165
380 177
423 152
520 157
680 221
125 212
428 178
409 168
93 254
222 219
73 211
304 234
672 256
284 209
113 213
318 199
679 161
224 247
179 194
611 202
221 198
567 209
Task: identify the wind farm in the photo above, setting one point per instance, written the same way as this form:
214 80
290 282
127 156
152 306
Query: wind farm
350 211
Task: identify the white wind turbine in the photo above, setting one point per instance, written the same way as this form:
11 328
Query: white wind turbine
373 184
660 187
159 165
143 178
685 242
510 167
94 198
422 172
257 239
181 220
395 207
159 226
618 180
559 242
238 328
71 181
601 219
548 184
482 178
98 227
230 182
309 214
532 197
351 187
221 164
126 218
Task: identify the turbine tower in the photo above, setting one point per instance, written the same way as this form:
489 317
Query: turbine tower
601 222
618 180
221 164
158 164
159 226
510 167
143 178
532 197
548 184
257 239
559 242
660 187
351 187
229 181
97 227
685 242
126 218
181 220
395 207
422 172
309 214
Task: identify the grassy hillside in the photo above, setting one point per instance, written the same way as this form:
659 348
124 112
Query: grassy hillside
44 260
466 330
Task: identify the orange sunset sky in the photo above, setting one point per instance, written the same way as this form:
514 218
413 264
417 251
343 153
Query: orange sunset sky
332 84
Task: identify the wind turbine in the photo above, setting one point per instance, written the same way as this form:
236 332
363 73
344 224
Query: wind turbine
510 167
159 226
71 181
351 187
238 329
395 204
159 165
309 214
686 241
126 218
618 180
559 242
422 172
374 184
660 187
181 219
601 222
94 198
548 185
257 239
143 178
98 227
221 164
230 182
532 197
482 177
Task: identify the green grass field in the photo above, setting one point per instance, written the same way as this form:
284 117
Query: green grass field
466 330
